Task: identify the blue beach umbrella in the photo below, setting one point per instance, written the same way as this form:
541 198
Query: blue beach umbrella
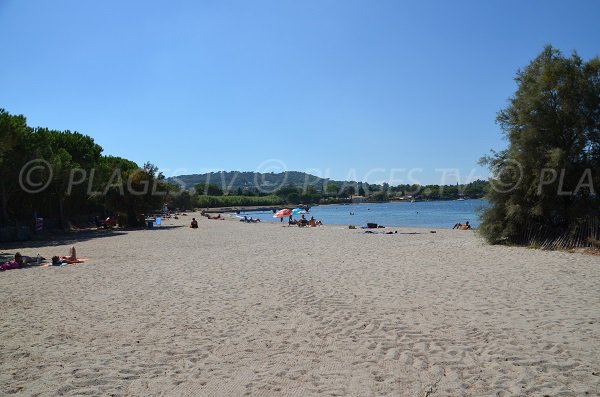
298 211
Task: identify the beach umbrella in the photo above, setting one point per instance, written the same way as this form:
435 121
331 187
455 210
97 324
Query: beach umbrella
298 211
283 213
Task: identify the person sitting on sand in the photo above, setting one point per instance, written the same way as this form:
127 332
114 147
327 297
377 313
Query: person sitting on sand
460 226
109 222
303 221
312 222
194 224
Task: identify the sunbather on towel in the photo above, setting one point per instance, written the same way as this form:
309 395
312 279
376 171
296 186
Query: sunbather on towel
72 258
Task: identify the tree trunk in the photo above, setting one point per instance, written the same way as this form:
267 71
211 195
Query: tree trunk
4 200
61 212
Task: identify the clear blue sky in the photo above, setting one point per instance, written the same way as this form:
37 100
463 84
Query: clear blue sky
342 89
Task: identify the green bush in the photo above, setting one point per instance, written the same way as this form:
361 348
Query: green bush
237 201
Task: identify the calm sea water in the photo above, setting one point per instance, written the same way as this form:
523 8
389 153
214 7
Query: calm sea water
439 214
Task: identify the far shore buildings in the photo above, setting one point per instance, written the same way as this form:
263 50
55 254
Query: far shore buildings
364 199
359 199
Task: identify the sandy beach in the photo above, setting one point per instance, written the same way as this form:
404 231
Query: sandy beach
234 309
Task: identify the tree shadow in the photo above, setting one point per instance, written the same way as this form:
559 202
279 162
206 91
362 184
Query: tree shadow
62 238
71 238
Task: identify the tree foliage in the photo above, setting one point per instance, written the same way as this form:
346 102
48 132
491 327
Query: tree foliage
208 189
237 201
547 174
81 182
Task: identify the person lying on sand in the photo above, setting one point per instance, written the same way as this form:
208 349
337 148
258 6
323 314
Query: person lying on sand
70 259
249 220
16 263
56 261
21 261
30 260
72 254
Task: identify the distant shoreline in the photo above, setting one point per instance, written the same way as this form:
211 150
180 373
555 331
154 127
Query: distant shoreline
255 208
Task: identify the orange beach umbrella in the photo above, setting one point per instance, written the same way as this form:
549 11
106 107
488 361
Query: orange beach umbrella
283 213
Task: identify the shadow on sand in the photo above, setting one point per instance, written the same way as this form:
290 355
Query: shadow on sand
72 238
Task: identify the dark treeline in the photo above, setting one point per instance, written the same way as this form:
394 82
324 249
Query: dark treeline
63 176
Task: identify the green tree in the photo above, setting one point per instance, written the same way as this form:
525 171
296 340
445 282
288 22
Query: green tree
293 198
361 190
332 189
13 155
67 154
347 191
377 196
181 200
546 175
208 189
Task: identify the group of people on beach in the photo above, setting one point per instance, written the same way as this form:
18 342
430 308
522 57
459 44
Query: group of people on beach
249 220
209 216
21 261
302 222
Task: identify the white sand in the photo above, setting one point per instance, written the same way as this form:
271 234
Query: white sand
236 309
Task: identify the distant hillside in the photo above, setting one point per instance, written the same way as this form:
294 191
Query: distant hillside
235 179
242 183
